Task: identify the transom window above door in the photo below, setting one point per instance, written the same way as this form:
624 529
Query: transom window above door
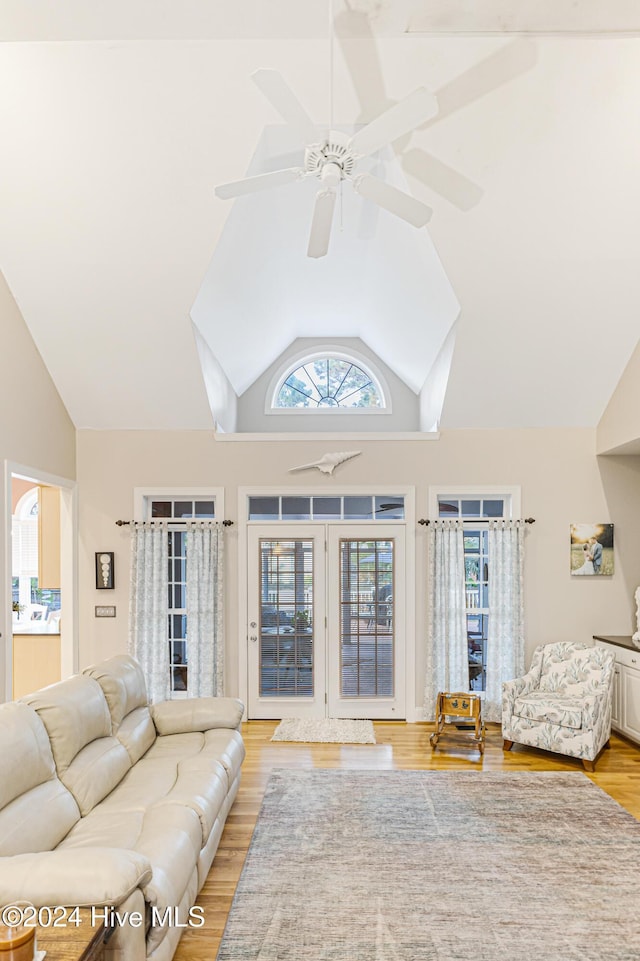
368 507
180 509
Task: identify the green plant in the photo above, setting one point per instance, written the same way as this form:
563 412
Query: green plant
302 620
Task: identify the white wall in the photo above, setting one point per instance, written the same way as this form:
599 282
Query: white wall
619 427
562 482
35 429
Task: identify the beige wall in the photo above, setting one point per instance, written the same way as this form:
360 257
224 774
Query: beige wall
619 427
35 429
562 482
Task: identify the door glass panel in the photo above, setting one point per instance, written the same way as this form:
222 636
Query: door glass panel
366 618
286 618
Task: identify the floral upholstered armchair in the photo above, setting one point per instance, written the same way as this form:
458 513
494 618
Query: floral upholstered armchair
563 703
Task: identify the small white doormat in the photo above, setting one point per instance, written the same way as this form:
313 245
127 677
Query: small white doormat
328 730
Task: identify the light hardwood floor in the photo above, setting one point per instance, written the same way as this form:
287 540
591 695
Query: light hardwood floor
399 747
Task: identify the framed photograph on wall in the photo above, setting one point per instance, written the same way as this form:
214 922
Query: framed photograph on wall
105 580
591 550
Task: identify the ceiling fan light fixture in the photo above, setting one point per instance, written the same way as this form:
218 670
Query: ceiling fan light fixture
331 174
333 150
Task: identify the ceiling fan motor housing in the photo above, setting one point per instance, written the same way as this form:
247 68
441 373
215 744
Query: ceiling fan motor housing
330 161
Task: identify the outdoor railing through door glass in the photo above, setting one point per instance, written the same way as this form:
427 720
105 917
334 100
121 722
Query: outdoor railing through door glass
366 618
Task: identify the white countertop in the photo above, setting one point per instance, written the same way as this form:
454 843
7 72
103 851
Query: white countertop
35 627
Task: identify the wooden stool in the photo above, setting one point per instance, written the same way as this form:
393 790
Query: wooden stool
459 705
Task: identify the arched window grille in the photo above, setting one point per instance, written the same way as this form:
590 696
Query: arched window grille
329 382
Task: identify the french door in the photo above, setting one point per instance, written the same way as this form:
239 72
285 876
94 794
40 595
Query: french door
326 621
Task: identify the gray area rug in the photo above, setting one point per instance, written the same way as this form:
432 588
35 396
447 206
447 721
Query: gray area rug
326 730
437 866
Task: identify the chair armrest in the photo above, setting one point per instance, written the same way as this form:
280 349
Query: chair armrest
74 877
520 685
594 704
185 715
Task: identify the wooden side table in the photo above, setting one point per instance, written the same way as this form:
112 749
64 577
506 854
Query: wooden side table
81 942
459 705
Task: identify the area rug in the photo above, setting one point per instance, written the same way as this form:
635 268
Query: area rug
328 730
437 866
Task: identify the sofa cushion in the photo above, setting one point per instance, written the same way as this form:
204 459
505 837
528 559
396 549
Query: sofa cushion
123 684
190 781
122 681
89 761
550 708
95 771
25 752
38 819
228 747
169 836
195 770
74 713
29 786
137 733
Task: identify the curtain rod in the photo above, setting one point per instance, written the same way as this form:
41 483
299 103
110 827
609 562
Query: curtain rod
172 520
479 520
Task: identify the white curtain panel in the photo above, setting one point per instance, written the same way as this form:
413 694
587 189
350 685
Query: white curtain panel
447 647
205 614
148 606
505 641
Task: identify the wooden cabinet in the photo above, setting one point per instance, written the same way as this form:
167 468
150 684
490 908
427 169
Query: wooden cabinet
36 662
626 686
49 538
630 699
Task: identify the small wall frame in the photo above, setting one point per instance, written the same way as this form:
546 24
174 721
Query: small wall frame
105 578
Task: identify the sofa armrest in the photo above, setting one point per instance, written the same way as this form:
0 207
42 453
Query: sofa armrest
74 877
185 715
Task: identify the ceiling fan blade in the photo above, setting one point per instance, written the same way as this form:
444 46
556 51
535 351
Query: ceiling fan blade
262 182
321 223
414 110
395 201
281 96
505 64
362 60
449 183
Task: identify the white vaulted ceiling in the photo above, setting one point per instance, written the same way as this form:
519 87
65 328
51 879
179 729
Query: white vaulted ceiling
119 119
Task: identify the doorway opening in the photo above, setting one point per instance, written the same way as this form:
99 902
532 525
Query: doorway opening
41 645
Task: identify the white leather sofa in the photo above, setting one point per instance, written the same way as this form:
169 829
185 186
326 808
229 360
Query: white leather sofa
107 801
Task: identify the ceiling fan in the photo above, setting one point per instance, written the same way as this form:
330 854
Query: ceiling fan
363 63
333 158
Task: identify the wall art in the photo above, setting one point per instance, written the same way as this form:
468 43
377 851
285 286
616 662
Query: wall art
591 550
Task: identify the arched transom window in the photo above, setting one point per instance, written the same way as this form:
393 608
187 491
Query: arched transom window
328 382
